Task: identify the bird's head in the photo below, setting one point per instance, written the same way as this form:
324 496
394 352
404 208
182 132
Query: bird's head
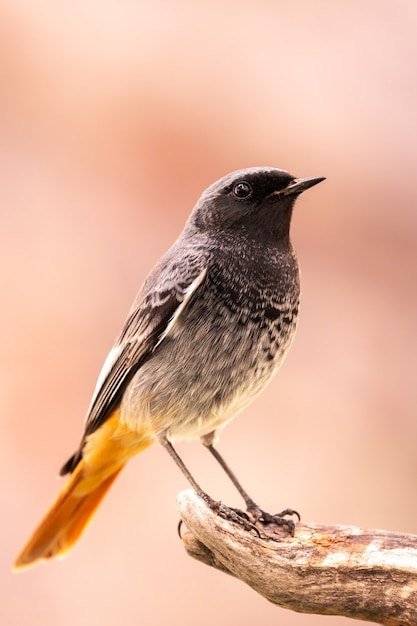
257 201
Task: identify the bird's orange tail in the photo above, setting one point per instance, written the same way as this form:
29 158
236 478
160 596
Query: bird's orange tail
105 453
65 521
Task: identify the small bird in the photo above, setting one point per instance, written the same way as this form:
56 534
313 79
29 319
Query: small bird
208 329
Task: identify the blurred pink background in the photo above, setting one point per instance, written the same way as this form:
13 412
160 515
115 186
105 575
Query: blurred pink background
114 116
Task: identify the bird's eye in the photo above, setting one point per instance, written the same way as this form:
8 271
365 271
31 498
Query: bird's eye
242 190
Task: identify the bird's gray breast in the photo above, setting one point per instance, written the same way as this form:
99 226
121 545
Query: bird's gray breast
256 299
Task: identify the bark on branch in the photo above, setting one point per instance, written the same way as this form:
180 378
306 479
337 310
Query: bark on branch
329 570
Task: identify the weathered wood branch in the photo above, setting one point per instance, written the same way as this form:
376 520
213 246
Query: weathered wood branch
329 570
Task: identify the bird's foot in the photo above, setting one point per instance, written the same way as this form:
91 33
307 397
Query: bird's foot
252 518
228 513
257 515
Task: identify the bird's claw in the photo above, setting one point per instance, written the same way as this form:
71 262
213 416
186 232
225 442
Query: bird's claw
228 513
277 519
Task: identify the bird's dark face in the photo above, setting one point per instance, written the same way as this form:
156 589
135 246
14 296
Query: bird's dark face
257 201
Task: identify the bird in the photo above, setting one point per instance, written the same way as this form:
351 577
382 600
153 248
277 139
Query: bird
207 331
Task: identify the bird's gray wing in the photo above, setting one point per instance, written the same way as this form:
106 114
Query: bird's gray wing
152 318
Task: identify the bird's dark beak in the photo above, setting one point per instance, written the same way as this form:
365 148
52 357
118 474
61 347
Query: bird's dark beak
298 185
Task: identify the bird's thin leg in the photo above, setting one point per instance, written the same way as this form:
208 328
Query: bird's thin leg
251 506
178 460
226 512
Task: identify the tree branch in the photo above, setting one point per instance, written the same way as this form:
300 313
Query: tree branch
329 570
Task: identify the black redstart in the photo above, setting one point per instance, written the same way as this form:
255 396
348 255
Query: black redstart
207 331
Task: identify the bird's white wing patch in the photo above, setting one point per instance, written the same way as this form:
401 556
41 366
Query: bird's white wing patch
189 292
111 359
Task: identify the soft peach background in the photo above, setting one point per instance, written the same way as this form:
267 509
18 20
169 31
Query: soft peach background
114 117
